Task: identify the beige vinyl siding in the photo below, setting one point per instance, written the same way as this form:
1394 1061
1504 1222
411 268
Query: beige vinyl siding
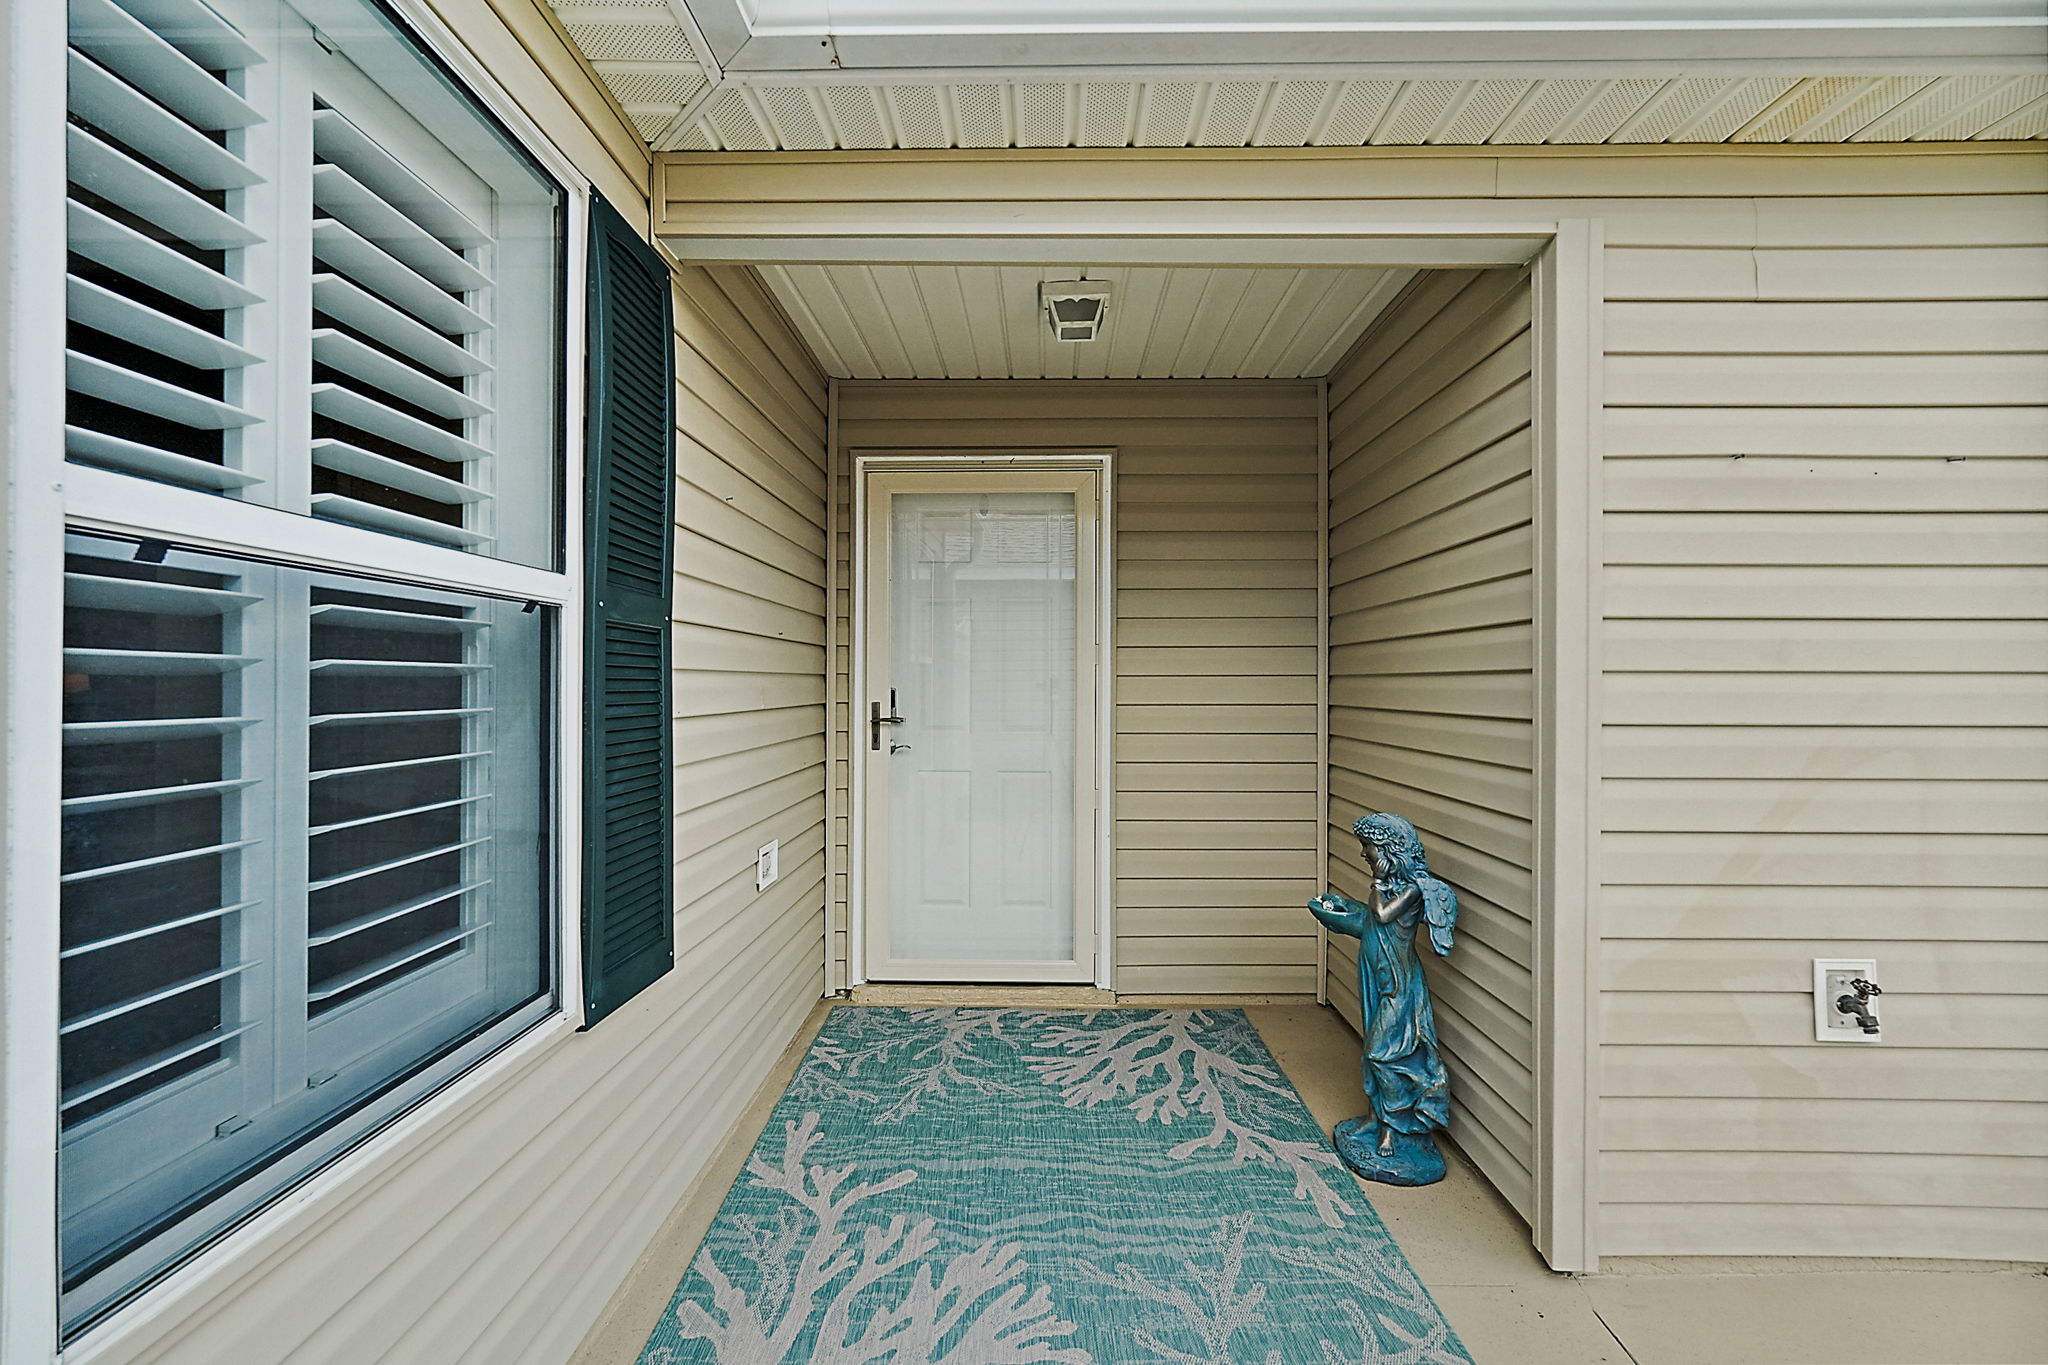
1827 603
500 1221
1215 663
1430 658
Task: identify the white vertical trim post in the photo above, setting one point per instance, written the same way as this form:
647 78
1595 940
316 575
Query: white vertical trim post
1322 678
856 736
836 970
1105 724
33 687
1567 304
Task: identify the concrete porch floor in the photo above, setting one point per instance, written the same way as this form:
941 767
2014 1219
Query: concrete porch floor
1473 1253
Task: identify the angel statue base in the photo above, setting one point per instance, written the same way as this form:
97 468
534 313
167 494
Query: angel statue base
1405 1082
1387 1156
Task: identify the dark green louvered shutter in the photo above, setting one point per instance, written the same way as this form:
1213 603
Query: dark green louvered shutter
629 876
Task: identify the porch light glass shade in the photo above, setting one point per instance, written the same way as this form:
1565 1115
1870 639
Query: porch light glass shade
1076 310
302 824
981 803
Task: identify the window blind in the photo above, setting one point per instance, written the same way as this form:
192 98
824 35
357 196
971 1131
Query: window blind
307 813
153 850
153 286
303 854
398 825
395 345
289 288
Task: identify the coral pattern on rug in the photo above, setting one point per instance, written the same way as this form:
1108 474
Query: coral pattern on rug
1009 1187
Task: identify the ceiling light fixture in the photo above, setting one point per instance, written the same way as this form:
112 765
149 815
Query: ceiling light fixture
1075 309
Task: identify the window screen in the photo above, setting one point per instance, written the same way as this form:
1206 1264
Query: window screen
303 822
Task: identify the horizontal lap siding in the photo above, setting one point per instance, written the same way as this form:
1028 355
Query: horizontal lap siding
1430 659
1827 734
1215 657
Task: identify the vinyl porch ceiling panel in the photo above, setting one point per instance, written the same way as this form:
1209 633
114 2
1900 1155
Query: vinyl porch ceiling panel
983 322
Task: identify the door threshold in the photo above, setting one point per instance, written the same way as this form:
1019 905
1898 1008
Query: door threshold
1052 997
916 993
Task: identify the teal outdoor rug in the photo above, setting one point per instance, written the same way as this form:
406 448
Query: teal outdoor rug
997 1187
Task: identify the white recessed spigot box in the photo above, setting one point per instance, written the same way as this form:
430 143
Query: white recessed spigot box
767 864
1831 978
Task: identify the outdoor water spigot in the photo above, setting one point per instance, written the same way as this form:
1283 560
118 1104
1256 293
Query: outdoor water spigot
1858 1003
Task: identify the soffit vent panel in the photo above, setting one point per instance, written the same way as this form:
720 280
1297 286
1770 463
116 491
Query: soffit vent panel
1311 113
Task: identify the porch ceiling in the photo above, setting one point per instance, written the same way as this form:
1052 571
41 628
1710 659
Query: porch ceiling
708 76
982 322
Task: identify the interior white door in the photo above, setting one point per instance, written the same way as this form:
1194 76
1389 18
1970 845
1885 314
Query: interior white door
979 721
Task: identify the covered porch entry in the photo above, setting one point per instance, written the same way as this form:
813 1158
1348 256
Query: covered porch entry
1320 548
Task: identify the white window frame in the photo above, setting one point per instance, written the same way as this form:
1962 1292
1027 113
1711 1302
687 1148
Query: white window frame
44 494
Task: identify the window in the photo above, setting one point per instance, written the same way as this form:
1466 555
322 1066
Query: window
307 803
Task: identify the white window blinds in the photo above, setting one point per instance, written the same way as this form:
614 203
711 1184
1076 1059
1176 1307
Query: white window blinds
399 789
396 354
154 849
155 293
292 289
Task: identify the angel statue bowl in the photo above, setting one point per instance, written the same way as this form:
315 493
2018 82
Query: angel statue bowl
1405 1083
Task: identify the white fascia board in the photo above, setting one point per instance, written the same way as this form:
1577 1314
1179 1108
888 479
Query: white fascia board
725 24
1413 246
906 39
1712 51
1060 14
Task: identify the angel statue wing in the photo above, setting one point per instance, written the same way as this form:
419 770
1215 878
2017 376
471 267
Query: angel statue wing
1440 908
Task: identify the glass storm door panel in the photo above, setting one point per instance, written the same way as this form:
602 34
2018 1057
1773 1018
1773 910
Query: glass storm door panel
980 725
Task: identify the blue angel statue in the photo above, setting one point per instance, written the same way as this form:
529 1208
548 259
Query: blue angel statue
1404 1081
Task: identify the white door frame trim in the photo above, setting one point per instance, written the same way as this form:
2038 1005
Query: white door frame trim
1103 462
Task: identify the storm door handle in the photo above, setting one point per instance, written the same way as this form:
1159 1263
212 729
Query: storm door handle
876 720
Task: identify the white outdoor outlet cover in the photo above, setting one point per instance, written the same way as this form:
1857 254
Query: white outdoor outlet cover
1831 978
767 864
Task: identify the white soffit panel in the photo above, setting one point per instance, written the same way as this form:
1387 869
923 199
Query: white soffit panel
984 322
648 52
754 115
807 75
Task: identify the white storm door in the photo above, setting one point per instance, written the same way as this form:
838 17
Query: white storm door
979 723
